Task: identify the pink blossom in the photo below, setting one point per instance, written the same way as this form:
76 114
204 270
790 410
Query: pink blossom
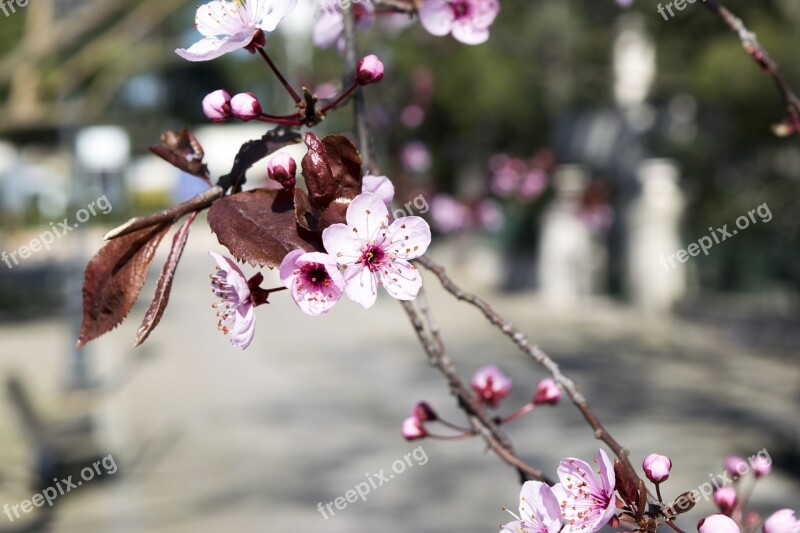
231 25
782 521
547 391
217 105
533 184
283 169
424 412
491 385
538 510
314 280
490 215
586 496
736 466
413 429
449 215
762 466
380 185
369 70
656 467
230 284
717 523
467 20
416 157
329 28
725 498
375 254
245 106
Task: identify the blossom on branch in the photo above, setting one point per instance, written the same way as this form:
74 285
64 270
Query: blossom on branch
491 385
586 496
231 25
230 284
717 523
467 20
375 253
314 280
538 510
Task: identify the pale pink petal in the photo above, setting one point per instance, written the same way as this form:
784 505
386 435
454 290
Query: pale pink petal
327 29
380 185
485 11
368 215
219 18
288 270
361 285
401 279
212 48
607 471
538 502
408 237
233 276
515 527
269 13
718 523
342 243
466 32
436 17
244 326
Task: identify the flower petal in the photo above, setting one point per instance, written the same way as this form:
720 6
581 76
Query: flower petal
361 285
327 30
244 326
220 18
466 32
539 505
289 267
269 13
380 185
436 17
408 237
342 243
401 279
367 214
606 472
212 48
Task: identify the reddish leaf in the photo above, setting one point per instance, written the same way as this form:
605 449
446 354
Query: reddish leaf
625 486
305 215
182 150
159 304
259 226
113 279
332 169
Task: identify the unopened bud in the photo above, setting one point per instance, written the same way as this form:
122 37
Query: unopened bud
717 523
370 70
491 385
725 498
424 412
656 467
547 391
283 169
217 105
412 429
245 106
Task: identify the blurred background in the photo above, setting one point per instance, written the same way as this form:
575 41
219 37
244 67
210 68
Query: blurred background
563 166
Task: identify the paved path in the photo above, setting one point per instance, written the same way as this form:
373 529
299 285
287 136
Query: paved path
208 438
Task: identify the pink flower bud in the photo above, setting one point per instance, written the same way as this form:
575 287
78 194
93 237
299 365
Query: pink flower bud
370 70
736 466
491 385
547 392
726 499
217 105
717 523
245 106
413 429
424 412
762 466
656 467
283 169
782 521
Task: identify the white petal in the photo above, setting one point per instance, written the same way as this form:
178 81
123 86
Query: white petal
342 243
401 279
537 501
607 472
380 185
436 17
327 30
221 19
273 12
244 327
361 285
212 48
368 215
289 267
466 32
408 237
514 527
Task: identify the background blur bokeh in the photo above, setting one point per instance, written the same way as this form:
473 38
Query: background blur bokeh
561 165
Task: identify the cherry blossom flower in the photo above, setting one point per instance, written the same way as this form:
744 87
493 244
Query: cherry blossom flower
283 169
413 429
491 385
369 70
782 521
245 106
717 523
587 500
217 105
230 25
762 466
538 510
467 20
547 392
736 466
329 28
314 280
230 284
380 185
374 254
657 467
725 498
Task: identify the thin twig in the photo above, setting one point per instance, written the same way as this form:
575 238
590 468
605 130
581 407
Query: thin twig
538 355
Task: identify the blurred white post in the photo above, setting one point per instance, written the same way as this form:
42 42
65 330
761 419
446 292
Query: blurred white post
653 223
566 262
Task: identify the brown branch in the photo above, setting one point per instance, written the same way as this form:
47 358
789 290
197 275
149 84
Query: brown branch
760 56
495 438
538 355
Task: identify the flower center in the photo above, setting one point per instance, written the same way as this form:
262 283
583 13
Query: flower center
460 8
315 277
373 257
